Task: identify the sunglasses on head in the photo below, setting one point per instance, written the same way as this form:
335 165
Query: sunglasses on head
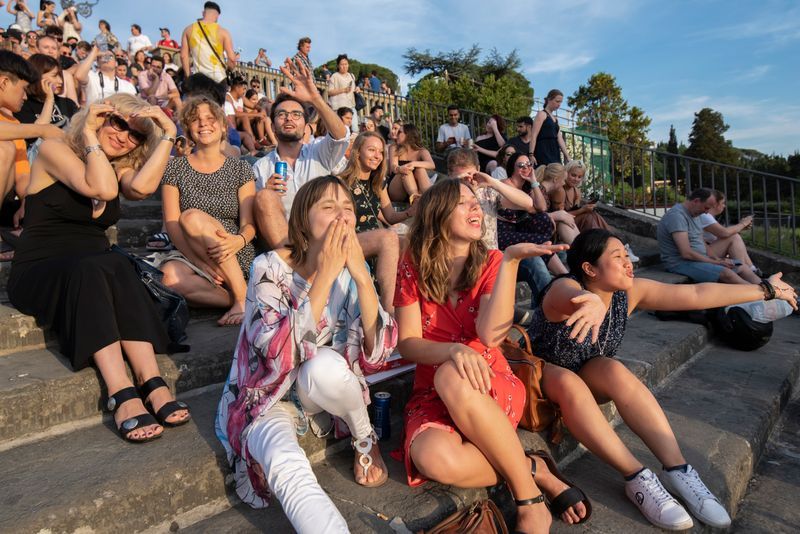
121 125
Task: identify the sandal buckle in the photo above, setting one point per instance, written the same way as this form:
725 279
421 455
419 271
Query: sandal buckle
111 403
130 424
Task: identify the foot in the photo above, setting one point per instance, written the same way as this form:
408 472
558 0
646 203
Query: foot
368 467
233 316
655 503
552 487
132 408
159 397
533 519
696 496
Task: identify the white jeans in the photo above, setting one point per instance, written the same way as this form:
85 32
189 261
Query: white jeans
324 383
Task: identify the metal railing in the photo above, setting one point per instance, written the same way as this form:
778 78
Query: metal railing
650 181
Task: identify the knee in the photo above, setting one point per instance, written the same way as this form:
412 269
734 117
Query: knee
191 221
327 373
619 379
452 388
171 278
390 241
727 276
437 463
565 388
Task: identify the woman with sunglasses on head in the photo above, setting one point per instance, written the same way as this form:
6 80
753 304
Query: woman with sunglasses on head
64 273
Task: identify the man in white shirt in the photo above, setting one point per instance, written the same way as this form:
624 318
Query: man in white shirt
137 41
103 83
304 161
454 133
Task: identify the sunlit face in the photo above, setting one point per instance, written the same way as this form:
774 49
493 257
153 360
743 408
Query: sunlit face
289 122
343 66
614 270
335 203
54 79
48 46
378 114
523 168
252 101
121 71
369 126
31 38
13 92
401 135
139 57
575 177
347 119
305 48
205 129
115 142
466 221
156 67
394 133
555 103
370 156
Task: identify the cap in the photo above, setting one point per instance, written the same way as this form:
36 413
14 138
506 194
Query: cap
164 29
15 26
212 5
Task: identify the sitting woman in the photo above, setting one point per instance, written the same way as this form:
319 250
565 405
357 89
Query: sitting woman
64 273
551 179
43 105
208 214
454 305
488 144
409 163
260 124
505 152
313 326
597 298
364 175
726 241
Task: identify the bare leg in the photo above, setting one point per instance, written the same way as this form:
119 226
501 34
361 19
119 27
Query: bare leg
556 266
732 246
728 276
402 186
610 380
111 365
566 233
422 180
248 141
8 173
195 289
386 246
144 366
271 218
200 230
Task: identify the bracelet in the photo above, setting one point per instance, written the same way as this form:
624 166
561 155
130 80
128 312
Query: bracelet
92 148
166 137
243 239
769 290
534 183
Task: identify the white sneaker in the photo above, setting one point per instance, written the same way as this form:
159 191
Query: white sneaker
698 499
631 256
658 506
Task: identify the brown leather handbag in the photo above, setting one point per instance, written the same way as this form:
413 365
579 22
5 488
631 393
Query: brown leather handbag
482 517
539 413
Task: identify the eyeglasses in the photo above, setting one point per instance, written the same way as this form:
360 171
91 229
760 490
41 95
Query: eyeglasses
121 125
523 165
295 115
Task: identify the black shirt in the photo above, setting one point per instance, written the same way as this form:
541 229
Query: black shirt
522 147
63 110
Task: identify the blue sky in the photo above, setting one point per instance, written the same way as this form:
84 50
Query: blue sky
671 58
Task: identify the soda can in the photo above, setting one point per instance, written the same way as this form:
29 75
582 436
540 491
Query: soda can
383 415
280 168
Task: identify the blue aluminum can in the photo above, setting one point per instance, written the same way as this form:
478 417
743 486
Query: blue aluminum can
383 415
280 168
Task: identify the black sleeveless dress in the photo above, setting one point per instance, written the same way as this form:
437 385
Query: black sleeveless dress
64 275
547 150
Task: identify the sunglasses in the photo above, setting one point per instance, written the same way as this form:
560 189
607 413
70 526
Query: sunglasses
523 165
121 125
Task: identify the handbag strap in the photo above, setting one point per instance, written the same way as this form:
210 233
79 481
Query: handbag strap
497 513
211 46
524 334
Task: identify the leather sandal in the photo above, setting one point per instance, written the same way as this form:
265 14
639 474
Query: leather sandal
363 447
567 498
525 502
169 408
129 425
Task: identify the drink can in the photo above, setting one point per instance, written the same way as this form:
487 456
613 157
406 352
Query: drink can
280 168
383 415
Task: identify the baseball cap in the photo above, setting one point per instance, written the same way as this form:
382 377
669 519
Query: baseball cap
212 5
164 29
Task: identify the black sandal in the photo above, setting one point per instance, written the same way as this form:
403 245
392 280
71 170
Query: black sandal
129 425
169 408
525 502
567 498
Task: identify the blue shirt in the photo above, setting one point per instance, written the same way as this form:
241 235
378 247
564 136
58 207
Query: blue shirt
375 84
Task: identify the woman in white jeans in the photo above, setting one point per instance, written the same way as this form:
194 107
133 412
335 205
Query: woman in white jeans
312 325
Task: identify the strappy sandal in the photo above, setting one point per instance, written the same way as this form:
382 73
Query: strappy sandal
364 448
169 408
159 242
567 498
129 425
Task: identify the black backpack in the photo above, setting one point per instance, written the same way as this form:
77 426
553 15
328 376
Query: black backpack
738 330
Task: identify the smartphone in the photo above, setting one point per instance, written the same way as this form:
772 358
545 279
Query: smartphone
180 141
593 198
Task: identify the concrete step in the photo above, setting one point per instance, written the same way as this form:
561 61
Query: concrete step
771 502
140 209
95 480
133 233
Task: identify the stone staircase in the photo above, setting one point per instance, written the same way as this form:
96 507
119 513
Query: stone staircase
64 469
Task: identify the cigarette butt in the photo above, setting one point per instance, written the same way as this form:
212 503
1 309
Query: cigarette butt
381 516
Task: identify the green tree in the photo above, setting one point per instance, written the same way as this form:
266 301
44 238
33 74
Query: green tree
672 144
794 164
707 138
359 70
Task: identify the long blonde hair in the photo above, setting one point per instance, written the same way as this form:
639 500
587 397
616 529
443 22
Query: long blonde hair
429 240
125 105
350 173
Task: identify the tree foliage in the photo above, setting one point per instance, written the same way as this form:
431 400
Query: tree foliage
672 144
707 138
359 70
600 103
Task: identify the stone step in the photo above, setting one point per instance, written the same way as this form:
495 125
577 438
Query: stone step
94 480
140 209
771 503
133 233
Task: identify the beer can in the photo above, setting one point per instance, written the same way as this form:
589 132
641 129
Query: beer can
280 168
382 415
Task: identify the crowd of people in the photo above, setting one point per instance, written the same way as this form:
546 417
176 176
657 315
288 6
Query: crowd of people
331 245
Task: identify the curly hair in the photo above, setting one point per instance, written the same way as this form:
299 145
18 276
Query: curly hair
191 108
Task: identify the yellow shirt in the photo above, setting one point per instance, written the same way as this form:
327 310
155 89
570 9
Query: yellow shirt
204 59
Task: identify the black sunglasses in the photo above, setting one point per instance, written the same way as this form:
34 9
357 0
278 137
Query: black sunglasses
121 125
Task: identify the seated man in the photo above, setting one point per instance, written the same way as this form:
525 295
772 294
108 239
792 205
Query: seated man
158 87
238 117
683 251
454 133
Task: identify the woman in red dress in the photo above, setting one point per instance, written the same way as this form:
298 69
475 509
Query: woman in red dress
454 305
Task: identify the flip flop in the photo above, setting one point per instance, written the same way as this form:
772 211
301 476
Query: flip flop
160 241
567 498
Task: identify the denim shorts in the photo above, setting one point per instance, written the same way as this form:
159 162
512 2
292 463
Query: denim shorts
698 271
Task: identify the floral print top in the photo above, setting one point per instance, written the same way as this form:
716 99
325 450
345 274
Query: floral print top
278 334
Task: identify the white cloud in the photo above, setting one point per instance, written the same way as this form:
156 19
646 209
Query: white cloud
560 62
752 74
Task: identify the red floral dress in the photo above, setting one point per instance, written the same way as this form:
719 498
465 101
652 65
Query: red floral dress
448 324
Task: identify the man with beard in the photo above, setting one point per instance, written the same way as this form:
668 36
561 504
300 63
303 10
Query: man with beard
303 161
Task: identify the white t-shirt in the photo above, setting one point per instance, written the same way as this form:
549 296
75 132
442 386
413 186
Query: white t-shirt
137 42
95 91
343 100
460 131
232 105
499 173
706 219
